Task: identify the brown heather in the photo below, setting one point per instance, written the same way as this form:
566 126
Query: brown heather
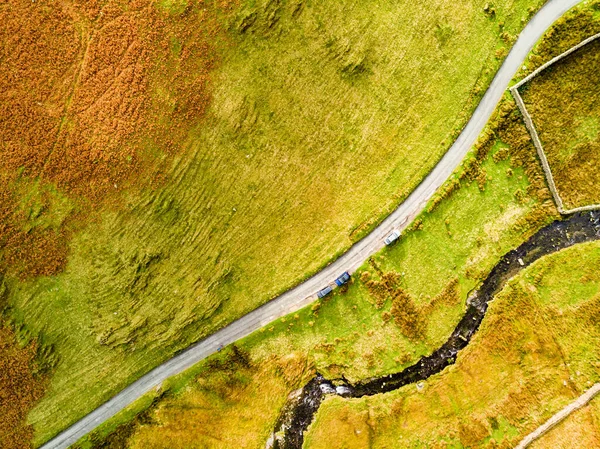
19 390
93 97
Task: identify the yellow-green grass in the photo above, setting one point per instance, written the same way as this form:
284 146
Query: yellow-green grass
581 429
536 351
42 205
239 397
246 401
346 334
459 241
485 240
325 115
563 102
120 425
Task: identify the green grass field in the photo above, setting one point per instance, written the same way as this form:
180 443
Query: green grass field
536 351
353 332
324 117
563 104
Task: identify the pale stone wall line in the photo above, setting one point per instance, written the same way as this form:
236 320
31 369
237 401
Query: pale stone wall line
533 132
555 60
538 146
557 418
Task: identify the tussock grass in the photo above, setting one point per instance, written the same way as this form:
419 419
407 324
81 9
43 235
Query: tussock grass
230 402
536 351
244 401
580 429
563 103
353 333
323 117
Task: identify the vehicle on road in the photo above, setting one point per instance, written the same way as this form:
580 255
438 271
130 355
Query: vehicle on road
342 279
324 292
394 235
286 303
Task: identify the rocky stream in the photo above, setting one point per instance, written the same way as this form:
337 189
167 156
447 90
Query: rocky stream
303 404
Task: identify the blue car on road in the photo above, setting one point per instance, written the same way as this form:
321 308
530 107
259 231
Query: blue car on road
344 277
324 292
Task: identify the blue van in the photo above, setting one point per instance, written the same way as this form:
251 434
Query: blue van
344 277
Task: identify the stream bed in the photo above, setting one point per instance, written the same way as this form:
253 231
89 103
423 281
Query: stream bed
303 404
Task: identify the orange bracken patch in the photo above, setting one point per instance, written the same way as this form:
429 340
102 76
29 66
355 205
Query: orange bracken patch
19 390
82 94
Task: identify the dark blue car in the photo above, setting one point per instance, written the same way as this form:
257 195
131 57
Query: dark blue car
324 292
344 277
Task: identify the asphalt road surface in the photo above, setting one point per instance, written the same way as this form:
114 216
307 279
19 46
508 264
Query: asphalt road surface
304 293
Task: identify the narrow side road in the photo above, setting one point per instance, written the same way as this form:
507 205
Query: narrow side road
304 293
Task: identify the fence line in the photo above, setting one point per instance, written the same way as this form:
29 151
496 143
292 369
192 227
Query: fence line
514 90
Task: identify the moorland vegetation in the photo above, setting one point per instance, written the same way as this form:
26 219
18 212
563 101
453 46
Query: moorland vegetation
536 351
170 165
580 429
563 102
402 304
22 384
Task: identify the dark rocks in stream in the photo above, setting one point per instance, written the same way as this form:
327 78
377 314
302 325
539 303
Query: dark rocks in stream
303 404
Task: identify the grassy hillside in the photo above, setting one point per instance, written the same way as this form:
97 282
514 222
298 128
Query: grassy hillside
210 157
580 429
491 205
536 351
563 103
494 201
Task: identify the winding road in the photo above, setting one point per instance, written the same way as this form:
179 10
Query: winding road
304 293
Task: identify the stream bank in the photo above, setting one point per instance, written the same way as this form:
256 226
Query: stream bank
303 404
